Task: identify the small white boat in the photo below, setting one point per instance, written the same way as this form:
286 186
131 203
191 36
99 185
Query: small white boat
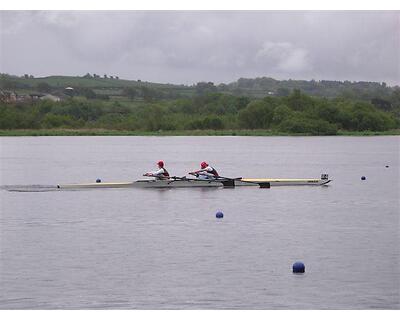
183 182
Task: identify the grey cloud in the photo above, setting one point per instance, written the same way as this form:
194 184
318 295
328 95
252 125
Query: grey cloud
188 46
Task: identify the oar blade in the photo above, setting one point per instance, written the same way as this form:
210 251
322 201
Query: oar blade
228 183
264 185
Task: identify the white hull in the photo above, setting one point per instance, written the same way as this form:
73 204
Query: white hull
194 183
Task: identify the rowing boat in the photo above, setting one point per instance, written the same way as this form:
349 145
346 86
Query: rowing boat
192 183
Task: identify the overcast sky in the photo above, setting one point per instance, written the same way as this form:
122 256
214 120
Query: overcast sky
187 46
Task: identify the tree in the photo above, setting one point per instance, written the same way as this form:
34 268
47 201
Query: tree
152 118
203 88
382 104
214 123
298 101
55 121
323 110
43 87
149 94
281 113
242 102
246 83
297 123
395 97
87 93
282 92
257 115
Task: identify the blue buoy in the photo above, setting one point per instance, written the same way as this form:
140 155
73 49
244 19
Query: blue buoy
219 215
363 178
387 166
98 180
298 267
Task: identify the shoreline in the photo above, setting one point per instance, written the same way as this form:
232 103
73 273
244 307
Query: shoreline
105 132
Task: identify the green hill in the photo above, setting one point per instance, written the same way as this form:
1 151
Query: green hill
253 88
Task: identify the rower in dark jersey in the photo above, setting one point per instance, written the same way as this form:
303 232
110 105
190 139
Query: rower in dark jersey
160 174
206 172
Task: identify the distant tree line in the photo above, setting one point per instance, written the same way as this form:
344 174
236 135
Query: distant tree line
324 88
96 76
252 88
295 113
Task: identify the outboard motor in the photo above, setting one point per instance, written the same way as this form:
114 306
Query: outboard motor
324 176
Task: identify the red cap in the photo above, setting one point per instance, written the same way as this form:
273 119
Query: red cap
204 165
160 163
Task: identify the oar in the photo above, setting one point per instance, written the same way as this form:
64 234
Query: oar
175 178
194 174
216 178
226 178
226 182
178 178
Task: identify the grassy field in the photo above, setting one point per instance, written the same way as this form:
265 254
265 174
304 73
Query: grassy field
104 132
107 86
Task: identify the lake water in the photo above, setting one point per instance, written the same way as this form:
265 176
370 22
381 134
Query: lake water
164 249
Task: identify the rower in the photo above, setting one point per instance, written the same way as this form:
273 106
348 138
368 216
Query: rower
160 174
206 172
